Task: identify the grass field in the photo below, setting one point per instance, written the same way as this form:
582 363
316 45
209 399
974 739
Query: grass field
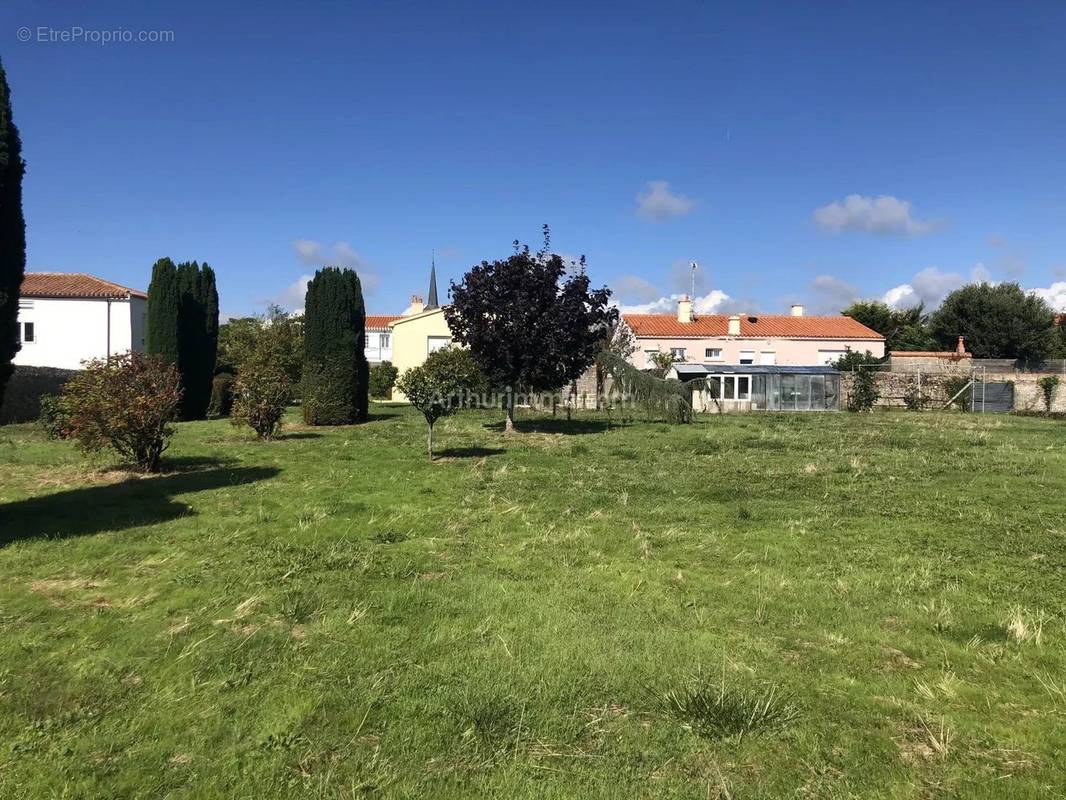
752 606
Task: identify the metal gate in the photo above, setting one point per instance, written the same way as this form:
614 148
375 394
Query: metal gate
992 396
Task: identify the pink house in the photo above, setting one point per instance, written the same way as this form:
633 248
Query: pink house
764 339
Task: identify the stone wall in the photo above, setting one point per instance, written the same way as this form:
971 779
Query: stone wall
893 386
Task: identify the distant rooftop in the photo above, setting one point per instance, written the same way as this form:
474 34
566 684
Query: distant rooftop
74 285
751 325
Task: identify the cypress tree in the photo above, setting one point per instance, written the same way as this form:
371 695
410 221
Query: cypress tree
336 373
161 325
183 328
12 233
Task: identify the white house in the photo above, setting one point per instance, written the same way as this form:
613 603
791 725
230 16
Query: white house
379 337
66 318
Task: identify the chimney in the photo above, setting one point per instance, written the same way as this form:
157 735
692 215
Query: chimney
417 306
797 310
960 348
684 309
734 325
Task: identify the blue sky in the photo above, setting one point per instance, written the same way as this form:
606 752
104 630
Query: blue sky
799 152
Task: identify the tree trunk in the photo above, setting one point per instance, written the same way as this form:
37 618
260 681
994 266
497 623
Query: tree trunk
429 441
508 426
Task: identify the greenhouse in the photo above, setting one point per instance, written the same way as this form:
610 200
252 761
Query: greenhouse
750 387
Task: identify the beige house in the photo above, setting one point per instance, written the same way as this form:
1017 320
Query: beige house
794 339
418 333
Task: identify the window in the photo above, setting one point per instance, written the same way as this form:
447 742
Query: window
729 387
714 353
767 357
384 340
743 387
827 357
435 343
678 353
747 357
27 333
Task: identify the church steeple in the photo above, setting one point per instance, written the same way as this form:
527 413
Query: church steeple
431 300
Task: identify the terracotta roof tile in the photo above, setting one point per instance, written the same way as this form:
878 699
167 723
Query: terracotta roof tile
752 326
380 322
74 285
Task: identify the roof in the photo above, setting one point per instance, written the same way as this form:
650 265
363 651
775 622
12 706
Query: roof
685 370
380 321
751 326
74 285
423 313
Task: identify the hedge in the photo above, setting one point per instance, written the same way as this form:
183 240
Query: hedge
22 399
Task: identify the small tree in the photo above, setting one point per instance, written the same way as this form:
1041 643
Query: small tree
264 385
382 379
1048 384
662 362
443 383
126 403
527 323
863 391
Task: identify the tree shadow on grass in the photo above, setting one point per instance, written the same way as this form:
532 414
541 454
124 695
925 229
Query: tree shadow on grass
469 452
573 427
282 437
116 506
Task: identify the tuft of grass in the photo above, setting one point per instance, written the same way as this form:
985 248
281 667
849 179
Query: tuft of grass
1025 626
721 711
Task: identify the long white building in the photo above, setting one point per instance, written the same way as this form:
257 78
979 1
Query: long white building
66 318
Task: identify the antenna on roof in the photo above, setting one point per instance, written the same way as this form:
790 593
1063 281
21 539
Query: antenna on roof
694 267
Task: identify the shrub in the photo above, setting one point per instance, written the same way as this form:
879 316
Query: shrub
952 387
221 395
853 359
54 420
260 396
441 385
264 384
864 392
127 404
1048 384
912 396
22 399
382 379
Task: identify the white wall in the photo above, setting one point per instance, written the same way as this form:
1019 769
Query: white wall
68 331
376 352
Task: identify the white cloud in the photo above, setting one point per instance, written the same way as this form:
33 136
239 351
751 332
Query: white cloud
292 296
634 288
1055 295
340 254
657 203
714 302
886 215
831 294
932 285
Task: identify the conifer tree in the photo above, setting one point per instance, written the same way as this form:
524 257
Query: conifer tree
336 373
183 328
12 233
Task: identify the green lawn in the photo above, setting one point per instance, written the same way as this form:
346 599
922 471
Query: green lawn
568 612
